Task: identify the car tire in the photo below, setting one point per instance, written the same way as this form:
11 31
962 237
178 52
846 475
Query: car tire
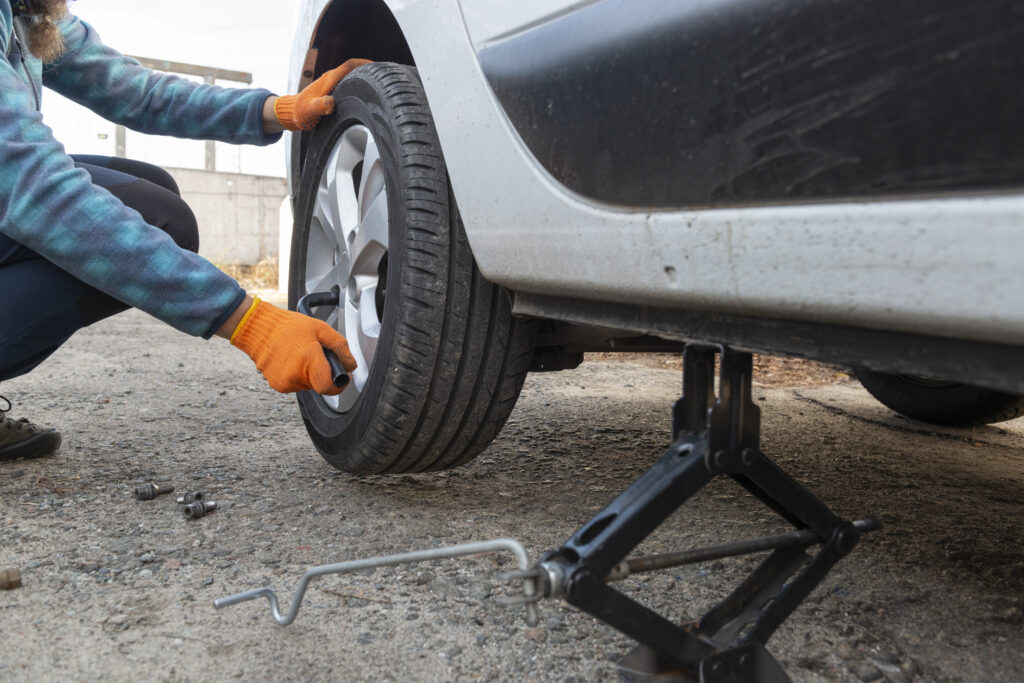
442 359
940 402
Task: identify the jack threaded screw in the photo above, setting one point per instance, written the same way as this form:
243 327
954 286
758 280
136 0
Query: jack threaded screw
199 508
151 491
190 497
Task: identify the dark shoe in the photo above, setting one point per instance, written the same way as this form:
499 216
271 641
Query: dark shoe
22 439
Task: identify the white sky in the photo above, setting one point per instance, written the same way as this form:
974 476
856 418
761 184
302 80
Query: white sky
240 35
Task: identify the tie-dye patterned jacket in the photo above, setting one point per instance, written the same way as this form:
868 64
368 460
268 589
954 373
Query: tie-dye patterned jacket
51 207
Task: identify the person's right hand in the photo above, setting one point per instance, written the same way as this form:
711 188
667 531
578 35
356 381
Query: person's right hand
303 111
288 348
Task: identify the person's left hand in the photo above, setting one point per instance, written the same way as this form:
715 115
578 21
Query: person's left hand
303 111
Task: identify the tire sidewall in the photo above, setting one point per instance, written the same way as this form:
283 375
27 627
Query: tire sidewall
952 405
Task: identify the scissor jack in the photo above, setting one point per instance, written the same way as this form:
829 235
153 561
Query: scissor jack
712 436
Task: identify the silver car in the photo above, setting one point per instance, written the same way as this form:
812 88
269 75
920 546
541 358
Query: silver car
512 184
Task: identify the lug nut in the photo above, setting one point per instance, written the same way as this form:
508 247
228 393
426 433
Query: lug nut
151 491
10 579
199 508
190 497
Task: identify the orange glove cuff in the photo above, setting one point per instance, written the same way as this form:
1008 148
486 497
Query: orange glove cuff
288 348
303 111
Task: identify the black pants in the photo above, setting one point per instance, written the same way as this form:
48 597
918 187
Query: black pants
41 306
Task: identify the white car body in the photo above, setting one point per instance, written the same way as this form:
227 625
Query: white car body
946 266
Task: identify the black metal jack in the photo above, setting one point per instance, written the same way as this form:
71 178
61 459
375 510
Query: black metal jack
713 436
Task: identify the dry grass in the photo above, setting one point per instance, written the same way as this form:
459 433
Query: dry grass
263 275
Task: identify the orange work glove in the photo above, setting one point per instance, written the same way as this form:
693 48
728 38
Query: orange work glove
303 111
288 348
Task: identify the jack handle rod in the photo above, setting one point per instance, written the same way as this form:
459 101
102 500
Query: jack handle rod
508 544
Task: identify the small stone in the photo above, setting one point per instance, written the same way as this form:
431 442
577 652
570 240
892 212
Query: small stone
1012 615
479 590
444 589
845 650
865 671
537 634
555 624
909 668
886 667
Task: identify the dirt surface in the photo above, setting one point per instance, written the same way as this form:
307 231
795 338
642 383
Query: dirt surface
769 371
117 589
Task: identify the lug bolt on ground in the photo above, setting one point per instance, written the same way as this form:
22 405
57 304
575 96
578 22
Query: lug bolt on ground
151 491
190 497
199 508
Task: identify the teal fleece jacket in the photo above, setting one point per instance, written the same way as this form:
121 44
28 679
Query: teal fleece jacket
51 207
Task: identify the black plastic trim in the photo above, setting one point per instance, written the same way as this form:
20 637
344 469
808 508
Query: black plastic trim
672 103
984 364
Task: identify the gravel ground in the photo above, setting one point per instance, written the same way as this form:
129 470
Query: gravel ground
117 589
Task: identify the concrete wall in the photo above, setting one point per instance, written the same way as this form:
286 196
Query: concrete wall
239 215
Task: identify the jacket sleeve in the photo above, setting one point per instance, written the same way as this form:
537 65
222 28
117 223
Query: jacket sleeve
53 208
121 90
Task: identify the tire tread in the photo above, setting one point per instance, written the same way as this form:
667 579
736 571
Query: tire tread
459 357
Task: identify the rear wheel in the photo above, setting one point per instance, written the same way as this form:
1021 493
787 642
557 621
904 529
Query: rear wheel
441 359
941 402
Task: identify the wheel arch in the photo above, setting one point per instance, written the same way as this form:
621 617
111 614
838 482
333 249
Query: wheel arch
347 29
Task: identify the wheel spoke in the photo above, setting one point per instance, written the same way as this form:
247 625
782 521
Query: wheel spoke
369 326
371 238
352 332
330 194
331 173
325 222
332 278
371 159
